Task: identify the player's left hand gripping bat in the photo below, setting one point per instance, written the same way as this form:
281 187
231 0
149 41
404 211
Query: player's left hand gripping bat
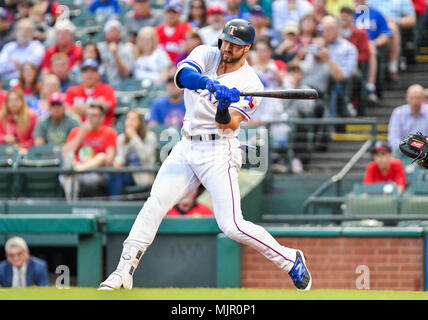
302 94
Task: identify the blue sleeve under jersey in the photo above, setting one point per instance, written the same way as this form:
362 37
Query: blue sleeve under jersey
191 79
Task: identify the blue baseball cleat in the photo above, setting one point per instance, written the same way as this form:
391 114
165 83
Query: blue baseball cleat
300 273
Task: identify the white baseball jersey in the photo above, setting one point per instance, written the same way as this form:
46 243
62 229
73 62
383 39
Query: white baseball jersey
201 105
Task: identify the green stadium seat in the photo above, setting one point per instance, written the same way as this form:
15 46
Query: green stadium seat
372 199
364 206
41 185
129 84
375 189
8 181
414 204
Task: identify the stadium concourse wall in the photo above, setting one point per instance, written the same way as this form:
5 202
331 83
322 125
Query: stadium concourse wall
192 252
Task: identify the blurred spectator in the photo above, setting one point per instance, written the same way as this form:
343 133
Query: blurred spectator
197 16
285 11
317 66
191 42
170 110
51 9
360 39
319 10
289 45
64 30
248 5
28 82
216 22
136 147
92 145
79 97
379 34
104 9
333 6
152 62
171 33
7 28
384 168
60 68
233 10
341 51
270 71
20 269
399 14
420 7
50 84
307 29
139 17
24 49
189 206
298 109
17 122
408 118
293 80
89 51
3 95
54 128
261 23
24 9
344 56
118 57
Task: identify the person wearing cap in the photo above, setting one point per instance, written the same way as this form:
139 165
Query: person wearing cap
139 17
117 56
261 23
104 9
172 33
24 49
54 127
216 22
288 47
233 11
64 42
284 11
80 96
20 269
248 5
384 168
7 28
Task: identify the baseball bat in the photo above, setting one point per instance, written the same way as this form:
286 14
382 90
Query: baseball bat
284 94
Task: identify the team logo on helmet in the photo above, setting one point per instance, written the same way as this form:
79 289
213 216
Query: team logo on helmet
232 30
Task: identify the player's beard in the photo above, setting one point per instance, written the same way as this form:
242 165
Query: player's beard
231 59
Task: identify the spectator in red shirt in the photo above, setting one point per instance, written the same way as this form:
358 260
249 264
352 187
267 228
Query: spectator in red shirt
385 169
64 30
92 145
80 96
358 37
17 122
189 206
172 33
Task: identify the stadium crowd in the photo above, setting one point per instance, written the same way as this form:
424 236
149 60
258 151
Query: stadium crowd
60 79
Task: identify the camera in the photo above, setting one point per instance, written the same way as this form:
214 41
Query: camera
314 49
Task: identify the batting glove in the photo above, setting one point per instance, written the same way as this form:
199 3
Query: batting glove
227 97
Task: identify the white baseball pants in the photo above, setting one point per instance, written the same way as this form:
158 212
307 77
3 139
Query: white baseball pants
215 164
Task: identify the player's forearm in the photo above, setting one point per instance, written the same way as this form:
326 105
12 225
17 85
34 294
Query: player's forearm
191 79
235 119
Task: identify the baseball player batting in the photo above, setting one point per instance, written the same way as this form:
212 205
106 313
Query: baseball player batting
209 153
